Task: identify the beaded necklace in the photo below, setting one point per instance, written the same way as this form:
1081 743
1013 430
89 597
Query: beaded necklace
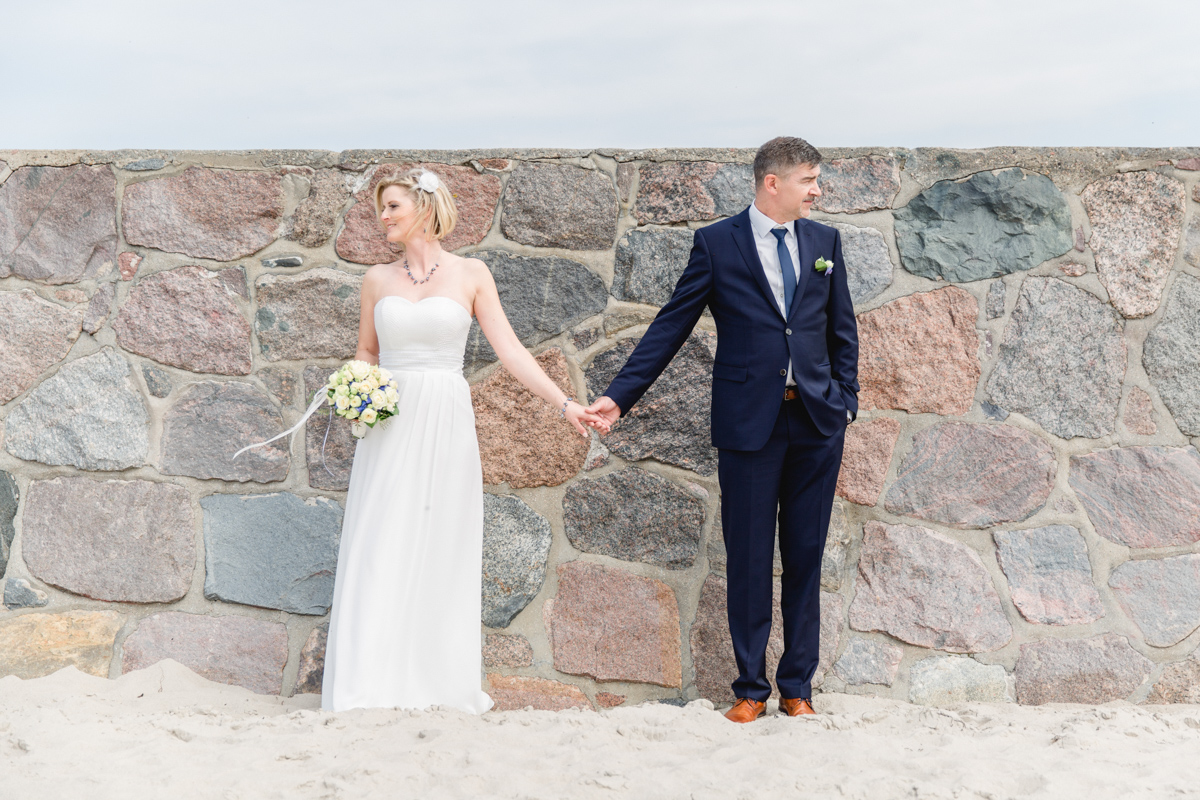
414 280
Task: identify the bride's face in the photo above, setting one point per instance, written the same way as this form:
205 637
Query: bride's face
398 215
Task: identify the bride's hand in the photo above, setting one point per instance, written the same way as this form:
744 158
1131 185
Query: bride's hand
579 416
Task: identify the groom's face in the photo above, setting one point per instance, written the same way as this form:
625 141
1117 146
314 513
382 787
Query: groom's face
797 190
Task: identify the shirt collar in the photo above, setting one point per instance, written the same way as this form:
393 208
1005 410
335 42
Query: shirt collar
761 224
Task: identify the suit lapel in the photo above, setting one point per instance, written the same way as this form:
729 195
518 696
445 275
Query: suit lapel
804 247
743 235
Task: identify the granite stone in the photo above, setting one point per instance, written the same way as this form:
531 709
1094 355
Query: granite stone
1141 496
926 589
58 224
318 214
88 415
624 319
920 353
954 680
125 541
219 214
995 300
99 308
558 205
39 644
185 318
866 456
678 191
609 700
868 661
313 314
210 422
597 455
282 262
311 671
516 546
984 226
614 626
1049 575
1139 413
158 382
1136 219
853 185
274 550
71 294
634 515
127 265
837 539
1072 269
1062 361
868 263
20 593
1171 355
145 165
35 334
649 263
541 296
362 239
1161 596
1179 683
1093 671
548 450
239 651
505 651
10 496
514 693
671 421
328 444
1191 242
970 475
281 384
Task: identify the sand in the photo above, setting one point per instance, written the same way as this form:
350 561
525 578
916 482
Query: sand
164 732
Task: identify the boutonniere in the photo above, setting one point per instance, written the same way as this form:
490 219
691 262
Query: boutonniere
823 266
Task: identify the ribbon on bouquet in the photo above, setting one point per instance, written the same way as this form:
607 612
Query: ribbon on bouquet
317 401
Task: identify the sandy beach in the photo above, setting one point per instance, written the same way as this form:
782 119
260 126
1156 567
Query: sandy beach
164 732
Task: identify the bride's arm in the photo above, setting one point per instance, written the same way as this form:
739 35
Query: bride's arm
513 355
368 341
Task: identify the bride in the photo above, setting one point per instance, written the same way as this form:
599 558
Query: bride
404 630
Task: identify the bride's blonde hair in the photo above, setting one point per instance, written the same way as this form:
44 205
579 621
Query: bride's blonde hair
435 207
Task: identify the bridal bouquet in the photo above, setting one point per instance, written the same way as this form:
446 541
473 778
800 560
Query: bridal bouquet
362 393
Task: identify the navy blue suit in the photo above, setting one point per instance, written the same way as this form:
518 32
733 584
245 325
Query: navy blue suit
778 459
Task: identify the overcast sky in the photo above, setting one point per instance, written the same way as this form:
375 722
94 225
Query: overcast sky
232 74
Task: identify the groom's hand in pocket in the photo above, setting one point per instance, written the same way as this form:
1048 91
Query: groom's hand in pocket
607 409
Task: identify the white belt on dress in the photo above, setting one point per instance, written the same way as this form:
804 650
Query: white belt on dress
420 361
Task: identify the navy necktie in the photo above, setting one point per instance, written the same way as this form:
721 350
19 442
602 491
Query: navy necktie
789 270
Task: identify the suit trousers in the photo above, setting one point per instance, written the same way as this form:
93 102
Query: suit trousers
791 478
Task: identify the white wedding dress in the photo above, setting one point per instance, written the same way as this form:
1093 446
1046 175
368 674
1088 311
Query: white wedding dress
405 626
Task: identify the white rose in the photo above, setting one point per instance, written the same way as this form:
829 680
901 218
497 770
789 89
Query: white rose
428 182
378 399
342 402
334 380
351 414
368 416
370 384
358 430
359 369
392 395
342 390
384 376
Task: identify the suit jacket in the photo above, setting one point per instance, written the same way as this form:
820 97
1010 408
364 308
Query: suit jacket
755 342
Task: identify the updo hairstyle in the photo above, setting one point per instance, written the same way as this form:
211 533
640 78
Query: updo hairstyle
436 207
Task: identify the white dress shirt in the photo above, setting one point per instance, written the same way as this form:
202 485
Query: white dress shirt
768 254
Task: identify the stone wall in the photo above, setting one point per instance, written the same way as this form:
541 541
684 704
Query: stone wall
1019 503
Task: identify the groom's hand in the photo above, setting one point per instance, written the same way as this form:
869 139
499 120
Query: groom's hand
606 408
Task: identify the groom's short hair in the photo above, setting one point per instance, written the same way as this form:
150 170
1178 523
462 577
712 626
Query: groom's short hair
783 154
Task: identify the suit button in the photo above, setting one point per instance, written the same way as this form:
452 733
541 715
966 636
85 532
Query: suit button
783 372
788 331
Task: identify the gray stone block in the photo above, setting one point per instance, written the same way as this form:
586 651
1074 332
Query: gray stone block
868 661
1161 596
559 205
868 263
1096 670
157 380
88 415
19 593
516 544
649 263
988 225
274 551
1171 355
1049 575
211 421
954 680
1062 361
10 495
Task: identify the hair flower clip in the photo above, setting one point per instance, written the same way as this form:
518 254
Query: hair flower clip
428 182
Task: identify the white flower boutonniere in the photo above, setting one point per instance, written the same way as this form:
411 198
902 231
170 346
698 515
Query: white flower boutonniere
823 266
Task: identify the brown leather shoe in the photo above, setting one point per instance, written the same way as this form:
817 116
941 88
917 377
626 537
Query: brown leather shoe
797 707
746 710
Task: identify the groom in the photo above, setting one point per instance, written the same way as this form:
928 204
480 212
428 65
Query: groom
784 388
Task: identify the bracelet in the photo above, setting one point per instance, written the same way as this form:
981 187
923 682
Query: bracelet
563 410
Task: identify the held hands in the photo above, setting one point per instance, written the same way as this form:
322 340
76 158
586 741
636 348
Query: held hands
606 410
579 416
